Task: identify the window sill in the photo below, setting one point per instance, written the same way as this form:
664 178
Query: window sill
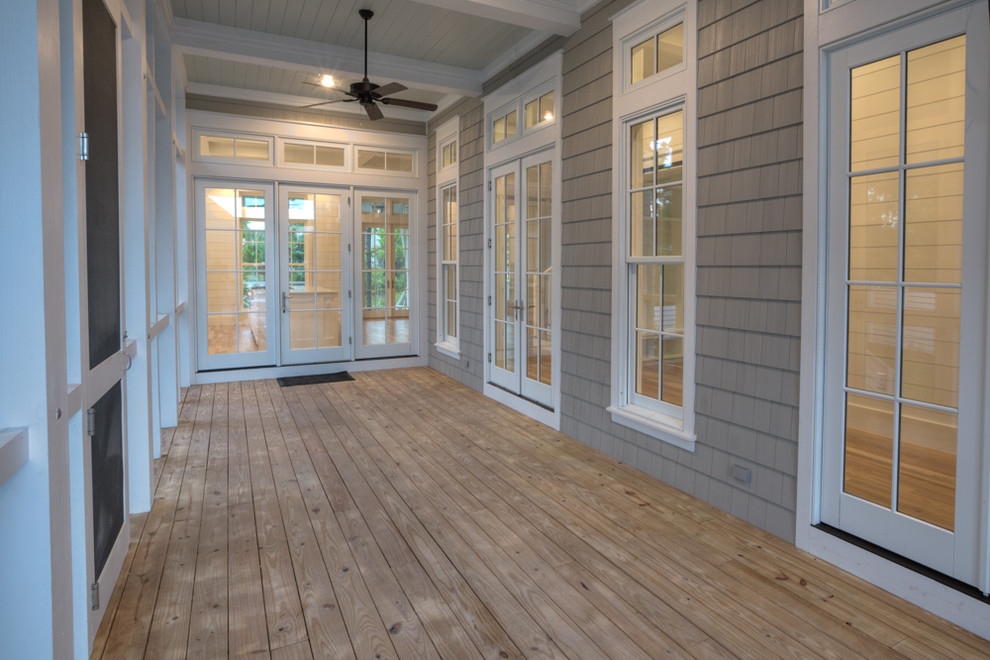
653 424
449 349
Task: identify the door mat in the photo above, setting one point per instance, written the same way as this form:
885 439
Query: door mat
338 377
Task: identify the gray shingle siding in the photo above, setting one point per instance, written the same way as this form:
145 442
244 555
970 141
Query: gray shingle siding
748 254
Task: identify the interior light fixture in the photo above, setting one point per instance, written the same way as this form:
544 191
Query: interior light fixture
547 116
326 80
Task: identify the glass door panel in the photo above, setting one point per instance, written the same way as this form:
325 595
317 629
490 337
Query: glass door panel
315 281
901 440
536 261
384 306
236 230
507 306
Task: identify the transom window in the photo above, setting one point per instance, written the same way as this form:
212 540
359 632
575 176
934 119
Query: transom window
234 147
322 155
535 109
656 54
504 127
385 161
539 110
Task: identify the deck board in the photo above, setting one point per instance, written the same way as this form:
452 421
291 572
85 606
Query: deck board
402 515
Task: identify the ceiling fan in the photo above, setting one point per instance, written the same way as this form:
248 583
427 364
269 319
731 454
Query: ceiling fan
368 94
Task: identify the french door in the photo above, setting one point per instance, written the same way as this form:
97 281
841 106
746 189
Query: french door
384 306
236 257
304 281
905 318
520 326
315 279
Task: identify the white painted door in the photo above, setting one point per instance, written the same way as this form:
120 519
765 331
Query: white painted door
906 303
384 307
236 263
521 328
314 274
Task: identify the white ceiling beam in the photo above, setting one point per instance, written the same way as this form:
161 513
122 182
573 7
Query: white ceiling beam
223 42
543 15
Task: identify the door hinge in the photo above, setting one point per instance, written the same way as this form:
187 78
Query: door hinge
489 244
350 341
489 301
489 357
489 186
348 295
84 146
91 422
94 596
348 248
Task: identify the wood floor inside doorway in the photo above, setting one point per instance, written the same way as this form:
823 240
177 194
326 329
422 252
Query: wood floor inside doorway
402 515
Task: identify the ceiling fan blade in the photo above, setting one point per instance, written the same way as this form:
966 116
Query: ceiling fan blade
390 88
313 105
418 105
374 112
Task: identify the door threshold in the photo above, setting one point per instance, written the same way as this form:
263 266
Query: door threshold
532 409
904 562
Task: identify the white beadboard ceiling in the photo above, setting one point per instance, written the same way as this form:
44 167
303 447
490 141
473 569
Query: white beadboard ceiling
272 50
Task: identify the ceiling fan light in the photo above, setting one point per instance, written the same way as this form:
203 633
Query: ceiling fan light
326 80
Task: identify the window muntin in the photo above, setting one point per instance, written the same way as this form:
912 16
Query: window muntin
904 278
656 54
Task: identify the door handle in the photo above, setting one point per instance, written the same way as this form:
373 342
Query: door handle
285 296
517 307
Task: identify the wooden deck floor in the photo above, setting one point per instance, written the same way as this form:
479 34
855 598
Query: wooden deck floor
405 516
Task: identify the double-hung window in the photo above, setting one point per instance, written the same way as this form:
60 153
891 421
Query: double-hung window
448 290
653 228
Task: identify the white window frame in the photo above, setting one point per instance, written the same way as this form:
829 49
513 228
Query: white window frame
199 133
671 14
281 142
518 104
447 177
660 94
386 150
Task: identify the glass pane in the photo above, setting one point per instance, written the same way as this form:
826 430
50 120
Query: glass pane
396 162
641 224
533 246
510 347
532 113
532 354
326 251
649 313
327 213
672 378
673 298
252 291
873 231
933 224
669 221
532 191
327 329
452 319
869 448
219 206
875 114
328 290
221 332
648 364
252 149
546 188
546 107
221 292
500 344
643 60
298 153
302 330
670 47
546 359
251 332
544 302
872 338
216 147
670 147
371 160
532 299
926 471
510 124
398 213
450 277
642 155
936 101
546 228
498 129
930 353
330 156
500 297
